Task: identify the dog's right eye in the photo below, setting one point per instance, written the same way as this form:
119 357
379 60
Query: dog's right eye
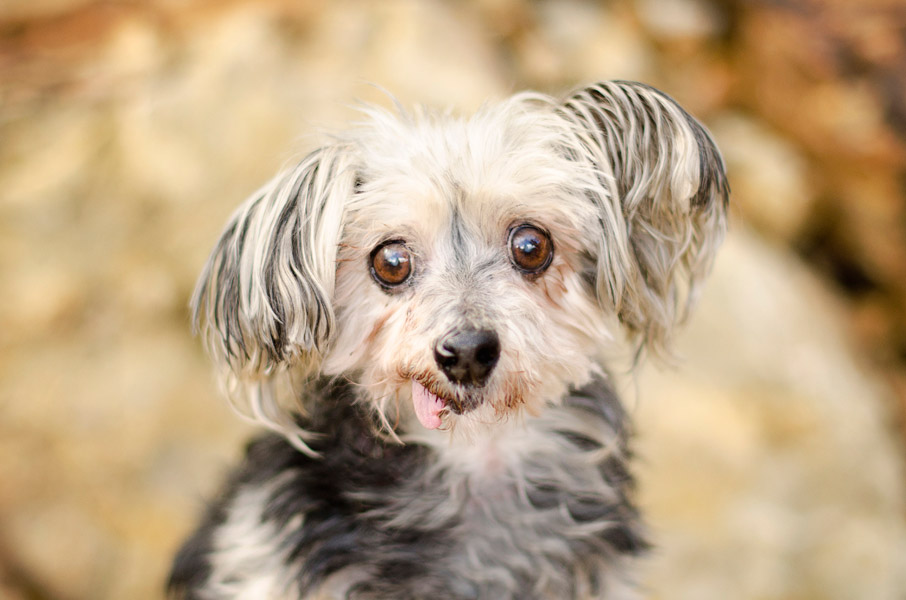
391 264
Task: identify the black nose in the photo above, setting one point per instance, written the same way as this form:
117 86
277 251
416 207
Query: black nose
468 356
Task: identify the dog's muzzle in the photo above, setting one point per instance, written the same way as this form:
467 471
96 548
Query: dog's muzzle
468 356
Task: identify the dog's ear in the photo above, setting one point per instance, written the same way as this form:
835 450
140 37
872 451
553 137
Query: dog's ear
661 197
264 298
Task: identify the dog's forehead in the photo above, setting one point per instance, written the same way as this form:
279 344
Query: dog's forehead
487 172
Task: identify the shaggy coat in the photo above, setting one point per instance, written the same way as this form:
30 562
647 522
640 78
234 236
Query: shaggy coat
418 311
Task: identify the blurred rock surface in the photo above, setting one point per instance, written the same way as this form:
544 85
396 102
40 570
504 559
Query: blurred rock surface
768 468
831 76
129 132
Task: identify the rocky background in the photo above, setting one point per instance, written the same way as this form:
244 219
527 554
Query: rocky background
771 460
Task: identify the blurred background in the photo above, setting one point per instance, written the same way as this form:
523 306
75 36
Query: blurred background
771 460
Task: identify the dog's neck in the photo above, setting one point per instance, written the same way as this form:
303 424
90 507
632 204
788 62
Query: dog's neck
584 428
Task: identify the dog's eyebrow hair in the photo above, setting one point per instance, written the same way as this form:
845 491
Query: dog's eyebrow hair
458 235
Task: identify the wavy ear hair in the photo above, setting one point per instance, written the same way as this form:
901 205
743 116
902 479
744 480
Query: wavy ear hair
263 301
662 195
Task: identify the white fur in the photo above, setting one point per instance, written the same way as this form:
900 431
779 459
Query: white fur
248 562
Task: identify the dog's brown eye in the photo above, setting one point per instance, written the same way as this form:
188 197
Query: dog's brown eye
531 249
391 264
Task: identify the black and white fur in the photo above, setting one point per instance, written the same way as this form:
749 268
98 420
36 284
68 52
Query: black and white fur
515 484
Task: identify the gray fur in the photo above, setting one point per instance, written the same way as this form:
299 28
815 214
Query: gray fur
263 301
412 522
264 296
665 176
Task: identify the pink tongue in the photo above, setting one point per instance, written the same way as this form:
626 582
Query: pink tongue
427 406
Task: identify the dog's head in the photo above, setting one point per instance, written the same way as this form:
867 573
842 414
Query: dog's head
463 270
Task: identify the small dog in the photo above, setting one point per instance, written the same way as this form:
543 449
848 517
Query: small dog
418 310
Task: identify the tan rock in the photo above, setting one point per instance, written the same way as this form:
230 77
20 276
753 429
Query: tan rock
769 175
769 466
128 135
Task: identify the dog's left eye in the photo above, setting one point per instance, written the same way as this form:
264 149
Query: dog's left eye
531 249
391 264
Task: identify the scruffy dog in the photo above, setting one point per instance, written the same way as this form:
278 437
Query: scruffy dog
418 310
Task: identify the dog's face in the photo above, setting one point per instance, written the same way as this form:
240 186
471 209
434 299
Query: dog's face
462 271
464 283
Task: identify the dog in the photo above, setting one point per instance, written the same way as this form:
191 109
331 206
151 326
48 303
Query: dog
419 311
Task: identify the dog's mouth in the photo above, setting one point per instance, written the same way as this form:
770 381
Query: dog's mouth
428 406
431 401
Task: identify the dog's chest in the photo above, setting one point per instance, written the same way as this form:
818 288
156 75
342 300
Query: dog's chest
540 512
541 515
546 523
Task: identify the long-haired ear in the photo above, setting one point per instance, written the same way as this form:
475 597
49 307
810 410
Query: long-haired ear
263 301
662 197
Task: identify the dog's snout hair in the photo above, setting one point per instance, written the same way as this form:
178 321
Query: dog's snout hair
418 309
467 356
